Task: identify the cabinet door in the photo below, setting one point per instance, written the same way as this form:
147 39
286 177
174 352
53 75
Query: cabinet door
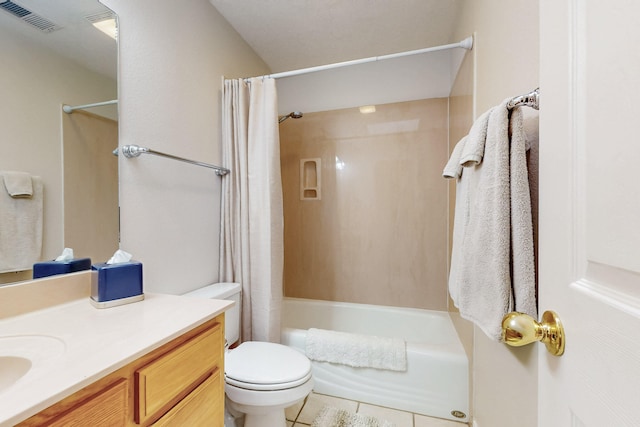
204 406
166 380
108 408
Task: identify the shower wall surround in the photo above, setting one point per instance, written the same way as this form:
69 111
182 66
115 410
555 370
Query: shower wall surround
379 233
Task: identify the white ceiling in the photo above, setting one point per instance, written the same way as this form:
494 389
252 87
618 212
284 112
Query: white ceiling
293 34
77 39
286 34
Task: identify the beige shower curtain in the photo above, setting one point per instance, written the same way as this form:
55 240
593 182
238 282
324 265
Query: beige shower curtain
251 236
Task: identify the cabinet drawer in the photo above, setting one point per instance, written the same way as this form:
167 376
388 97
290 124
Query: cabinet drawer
163 382
202 407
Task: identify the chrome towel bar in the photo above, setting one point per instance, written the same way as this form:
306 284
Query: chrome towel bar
531 99
130 151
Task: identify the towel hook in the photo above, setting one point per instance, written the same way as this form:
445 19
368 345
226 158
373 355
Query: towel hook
520 329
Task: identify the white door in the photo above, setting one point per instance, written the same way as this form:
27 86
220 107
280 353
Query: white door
590 210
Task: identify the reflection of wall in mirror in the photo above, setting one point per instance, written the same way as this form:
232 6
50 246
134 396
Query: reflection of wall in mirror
90 185
34 83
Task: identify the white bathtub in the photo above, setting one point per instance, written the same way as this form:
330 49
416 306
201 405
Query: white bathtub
436 381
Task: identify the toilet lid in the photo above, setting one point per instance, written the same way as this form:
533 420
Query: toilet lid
266 366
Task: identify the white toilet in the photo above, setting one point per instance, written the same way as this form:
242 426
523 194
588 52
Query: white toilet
261 378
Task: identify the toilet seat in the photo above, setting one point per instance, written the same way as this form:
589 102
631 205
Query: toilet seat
264 366
268 387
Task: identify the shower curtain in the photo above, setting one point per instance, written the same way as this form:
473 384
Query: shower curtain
251 235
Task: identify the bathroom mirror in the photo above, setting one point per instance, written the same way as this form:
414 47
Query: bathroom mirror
53 53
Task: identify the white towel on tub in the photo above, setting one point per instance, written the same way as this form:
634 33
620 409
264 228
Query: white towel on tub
358 351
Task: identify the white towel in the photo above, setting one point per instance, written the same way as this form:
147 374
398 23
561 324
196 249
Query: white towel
523 264
359 351
492 262
470 149
453 169
476 140
18 184
20 227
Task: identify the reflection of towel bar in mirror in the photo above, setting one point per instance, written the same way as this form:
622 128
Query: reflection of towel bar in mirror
69 109
130 151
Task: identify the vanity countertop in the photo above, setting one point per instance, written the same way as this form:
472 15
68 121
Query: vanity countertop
73 344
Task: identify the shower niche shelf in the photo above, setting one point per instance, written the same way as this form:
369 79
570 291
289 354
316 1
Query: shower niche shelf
310 179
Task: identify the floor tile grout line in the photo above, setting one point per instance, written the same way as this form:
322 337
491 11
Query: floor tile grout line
297 423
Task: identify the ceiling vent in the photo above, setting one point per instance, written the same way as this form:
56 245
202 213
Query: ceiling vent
25 15
101 16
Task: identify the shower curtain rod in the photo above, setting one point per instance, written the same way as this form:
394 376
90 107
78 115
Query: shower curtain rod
69 109
465 44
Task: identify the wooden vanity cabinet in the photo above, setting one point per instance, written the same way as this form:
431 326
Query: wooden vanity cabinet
195 409
178 384
107 406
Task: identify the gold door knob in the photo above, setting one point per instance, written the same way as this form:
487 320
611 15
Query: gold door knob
520 329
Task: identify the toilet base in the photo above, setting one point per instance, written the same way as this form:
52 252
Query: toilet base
232 418
275 419
265 408
256 416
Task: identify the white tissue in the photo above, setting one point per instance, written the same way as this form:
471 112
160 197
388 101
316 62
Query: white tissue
66 255
120 256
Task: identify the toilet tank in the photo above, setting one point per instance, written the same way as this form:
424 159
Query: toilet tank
226 291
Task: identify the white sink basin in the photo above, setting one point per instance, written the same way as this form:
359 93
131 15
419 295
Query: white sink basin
22 354
12 369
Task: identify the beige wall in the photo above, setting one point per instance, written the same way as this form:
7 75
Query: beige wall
506 64
407 78
90 185
379 233
34 83
172 60
460 121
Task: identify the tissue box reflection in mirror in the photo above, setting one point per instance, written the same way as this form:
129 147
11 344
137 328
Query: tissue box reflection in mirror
116 284
52 268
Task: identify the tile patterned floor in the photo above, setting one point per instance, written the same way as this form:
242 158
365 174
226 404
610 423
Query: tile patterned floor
303 413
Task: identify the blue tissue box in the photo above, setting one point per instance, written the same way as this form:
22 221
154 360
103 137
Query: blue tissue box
51 268
116 284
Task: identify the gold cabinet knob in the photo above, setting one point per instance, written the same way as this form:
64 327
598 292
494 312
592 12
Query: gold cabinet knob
520 329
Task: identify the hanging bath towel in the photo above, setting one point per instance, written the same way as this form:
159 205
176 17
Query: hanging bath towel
492 262
21 201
